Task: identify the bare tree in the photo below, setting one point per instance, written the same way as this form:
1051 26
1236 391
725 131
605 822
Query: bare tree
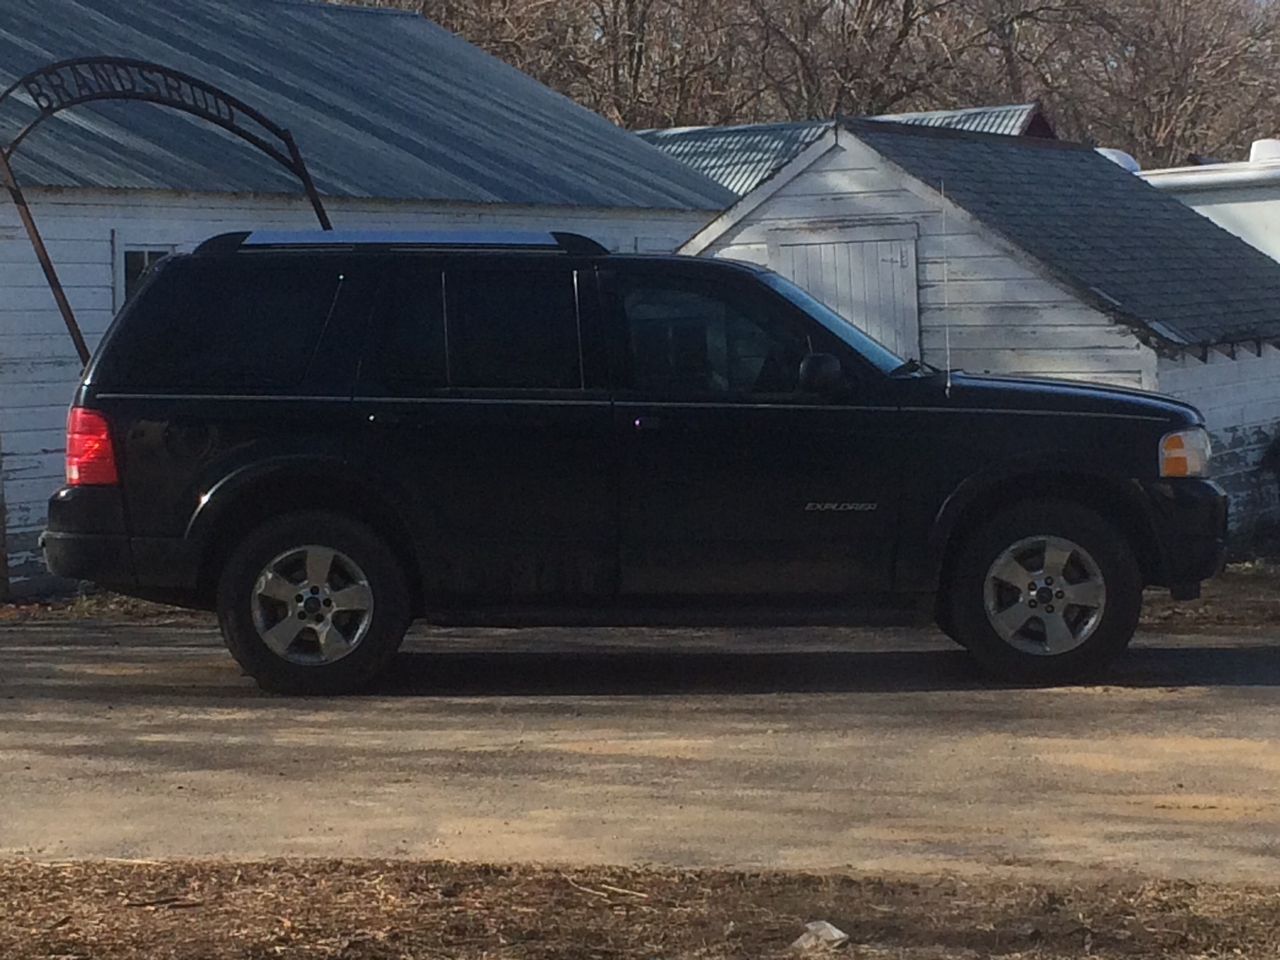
825 57
1166 78
1160 78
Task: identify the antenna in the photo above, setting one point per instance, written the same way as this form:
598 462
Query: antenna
946 285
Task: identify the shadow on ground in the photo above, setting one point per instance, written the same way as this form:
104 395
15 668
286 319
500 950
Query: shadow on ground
655 672
149 661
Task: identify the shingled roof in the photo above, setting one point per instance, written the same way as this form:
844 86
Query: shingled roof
742 157
383 104
1130 249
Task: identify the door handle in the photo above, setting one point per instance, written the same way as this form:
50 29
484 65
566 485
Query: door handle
647 423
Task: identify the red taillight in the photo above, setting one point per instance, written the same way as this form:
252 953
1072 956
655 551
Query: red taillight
91 459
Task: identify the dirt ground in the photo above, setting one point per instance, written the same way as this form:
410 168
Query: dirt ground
946 818
1245 595
360 910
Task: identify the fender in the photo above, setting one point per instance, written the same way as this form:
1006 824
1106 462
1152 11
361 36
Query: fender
327 469
1040 467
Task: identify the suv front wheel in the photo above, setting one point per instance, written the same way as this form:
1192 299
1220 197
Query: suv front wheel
1045 592
313 603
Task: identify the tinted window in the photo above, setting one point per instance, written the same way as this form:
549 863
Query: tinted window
513 328
688 338
880 356
225 324
406 352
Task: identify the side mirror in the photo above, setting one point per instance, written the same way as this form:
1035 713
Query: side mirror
821 373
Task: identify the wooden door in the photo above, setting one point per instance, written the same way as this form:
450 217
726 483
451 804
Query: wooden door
865 274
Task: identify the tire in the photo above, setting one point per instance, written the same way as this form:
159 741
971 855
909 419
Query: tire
354 600
1072 625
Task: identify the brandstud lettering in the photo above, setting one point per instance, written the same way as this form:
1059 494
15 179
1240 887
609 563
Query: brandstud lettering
54 89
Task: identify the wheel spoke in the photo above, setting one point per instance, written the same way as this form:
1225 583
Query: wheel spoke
1010 620
280 637
1058 636
1056 557
1089 594
354 597
276 587
319 563
1008 570
333 644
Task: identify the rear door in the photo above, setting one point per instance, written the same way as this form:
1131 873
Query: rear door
225 365
734 481
480 397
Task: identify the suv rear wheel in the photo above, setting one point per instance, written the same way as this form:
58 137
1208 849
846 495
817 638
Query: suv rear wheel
313 603
1044 592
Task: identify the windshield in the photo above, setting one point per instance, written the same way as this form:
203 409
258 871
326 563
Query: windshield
880 356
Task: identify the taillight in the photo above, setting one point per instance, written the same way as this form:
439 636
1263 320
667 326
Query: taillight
91 458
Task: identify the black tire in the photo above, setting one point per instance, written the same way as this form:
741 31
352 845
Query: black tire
1116 565
387 619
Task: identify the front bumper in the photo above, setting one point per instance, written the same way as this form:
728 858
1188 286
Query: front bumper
1189 521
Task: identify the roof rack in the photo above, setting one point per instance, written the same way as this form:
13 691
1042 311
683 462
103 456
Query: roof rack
553 241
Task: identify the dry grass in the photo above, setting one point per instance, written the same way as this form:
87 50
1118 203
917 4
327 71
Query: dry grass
97 606
370 909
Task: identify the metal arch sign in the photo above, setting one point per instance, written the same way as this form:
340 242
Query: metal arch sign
69 83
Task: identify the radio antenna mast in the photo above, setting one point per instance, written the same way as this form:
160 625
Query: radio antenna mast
946 285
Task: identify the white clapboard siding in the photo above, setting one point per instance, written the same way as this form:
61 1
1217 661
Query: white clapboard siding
86 232
1240 398
1006 313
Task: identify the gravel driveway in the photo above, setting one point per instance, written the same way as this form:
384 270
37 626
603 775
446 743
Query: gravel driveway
877 750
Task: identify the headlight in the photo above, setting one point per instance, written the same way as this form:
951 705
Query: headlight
1185 453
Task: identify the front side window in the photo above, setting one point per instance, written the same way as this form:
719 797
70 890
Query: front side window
689 338
514 328
870 349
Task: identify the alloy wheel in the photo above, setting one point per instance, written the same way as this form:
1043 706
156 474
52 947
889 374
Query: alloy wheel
312 605
1045 595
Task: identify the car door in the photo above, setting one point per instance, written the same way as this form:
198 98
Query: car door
734 481
475 393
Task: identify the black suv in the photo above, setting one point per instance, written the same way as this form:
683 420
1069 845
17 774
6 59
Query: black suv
323 436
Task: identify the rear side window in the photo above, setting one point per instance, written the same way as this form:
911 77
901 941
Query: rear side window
513 328
406 352
230 325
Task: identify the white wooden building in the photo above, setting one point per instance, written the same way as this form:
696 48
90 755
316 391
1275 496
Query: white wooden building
1025 256
402 124
1242 197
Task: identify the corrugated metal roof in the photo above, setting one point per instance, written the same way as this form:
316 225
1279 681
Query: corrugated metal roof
383 104
741 158
1010 120
1133 250
738 158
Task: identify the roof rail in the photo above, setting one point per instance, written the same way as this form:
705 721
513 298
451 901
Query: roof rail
571 243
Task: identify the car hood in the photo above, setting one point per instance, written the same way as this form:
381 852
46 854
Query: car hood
1066 396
